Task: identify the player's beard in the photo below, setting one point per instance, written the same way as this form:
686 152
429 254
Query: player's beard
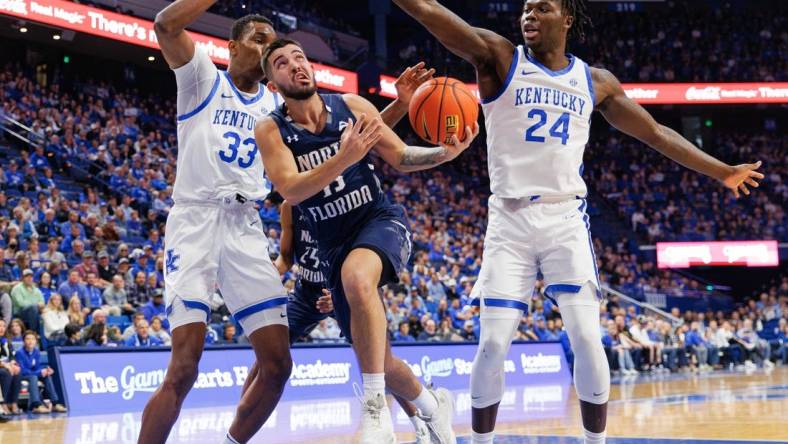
299 92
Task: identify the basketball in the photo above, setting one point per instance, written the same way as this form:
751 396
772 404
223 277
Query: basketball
441 108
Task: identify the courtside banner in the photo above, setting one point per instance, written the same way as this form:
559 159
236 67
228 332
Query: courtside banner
137 31
671 93
742 253
110 380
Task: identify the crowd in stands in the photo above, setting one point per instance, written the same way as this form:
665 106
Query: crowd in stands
675 41
664 201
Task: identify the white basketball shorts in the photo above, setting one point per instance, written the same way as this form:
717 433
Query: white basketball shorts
221 243
525 237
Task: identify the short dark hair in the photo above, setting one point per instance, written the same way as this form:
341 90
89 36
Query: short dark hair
71 329
239 26
30 333
276 44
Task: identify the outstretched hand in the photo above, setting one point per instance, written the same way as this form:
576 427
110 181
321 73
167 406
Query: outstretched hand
360 136
742 175
410 80
456 147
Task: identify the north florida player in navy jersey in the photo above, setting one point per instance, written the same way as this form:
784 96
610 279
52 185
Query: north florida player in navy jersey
315 148
310 301
537 102
214 234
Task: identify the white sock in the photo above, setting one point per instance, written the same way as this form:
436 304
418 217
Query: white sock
374 384
418 424
426 402
229 439
594 438
482 438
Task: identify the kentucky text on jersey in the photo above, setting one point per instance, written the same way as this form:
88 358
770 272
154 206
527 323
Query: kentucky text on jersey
536 95
234 118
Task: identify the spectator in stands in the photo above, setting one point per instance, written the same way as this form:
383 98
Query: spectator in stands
74 287
445 333
754 346
653 350
131 329
73 335
87 266
228 334
55 319
155 307
138 294
696 345
33 255
16 333
712 344
403 333
124 269
429 333
76 314
27 300
52 254
468 332
21 264
57 273
95 296
49 230
158 331
6 271
6 306
46 285
9 374
96 335
620 346
32 371
142 338
435 289
105 270
115 297
327 330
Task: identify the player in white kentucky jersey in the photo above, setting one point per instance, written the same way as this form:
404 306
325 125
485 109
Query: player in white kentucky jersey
214 235
537 104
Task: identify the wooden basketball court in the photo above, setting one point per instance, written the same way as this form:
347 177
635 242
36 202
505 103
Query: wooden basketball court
717 407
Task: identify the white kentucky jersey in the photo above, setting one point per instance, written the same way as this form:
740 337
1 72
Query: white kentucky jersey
217 153
537 128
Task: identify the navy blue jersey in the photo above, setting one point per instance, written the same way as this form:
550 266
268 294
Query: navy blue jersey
305 250
349 202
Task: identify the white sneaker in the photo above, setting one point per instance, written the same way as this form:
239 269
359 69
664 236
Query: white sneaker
376 426
439 424
768 364
422 434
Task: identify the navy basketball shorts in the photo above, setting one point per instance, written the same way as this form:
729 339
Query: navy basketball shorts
302 313
388 235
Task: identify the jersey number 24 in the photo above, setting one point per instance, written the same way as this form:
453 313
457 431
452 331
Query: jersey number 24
559 130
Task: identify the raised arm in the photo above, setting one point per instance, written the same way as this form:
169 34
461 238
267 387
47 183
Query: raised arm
407 158
170 26
631 118
406 84
285 260
294 186
478 46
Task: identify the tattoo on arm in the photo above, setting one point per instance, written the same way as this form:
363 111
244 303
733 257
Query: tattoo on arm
420 156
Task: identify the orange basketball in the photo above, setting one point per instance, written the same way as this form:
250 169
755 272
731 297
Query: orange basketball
441 108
